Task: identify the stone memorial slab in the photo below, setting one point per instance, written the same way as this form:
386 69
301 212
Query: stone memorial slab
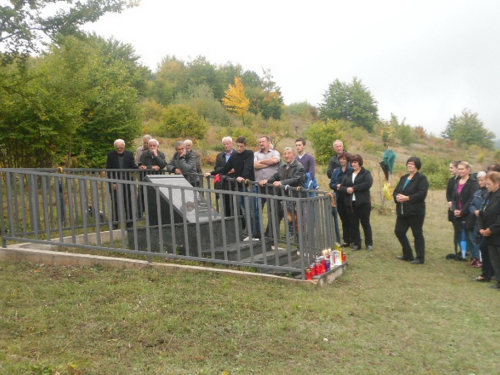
185 202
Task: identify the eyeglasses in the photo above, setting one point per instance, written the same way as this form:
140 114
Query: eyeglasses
180 149
119 148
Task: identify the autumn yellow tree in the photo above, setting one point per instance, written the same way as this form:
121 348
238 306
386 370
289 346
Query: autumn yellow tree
236 100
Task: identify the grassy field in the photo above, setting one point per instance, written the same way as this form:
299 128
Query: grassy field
383 316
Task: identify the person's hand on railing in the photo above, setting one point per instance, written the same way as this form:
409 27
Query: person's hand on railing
207 175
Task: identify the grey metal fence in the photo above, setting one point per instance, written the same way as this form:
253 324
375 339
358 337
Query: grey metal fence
133 212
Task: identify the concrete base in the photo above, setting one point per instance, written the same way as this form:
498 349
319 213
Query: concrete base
330 276
44 254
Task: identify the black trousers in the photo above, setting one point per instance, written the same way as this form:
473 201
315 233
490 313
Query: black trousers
122 200
495 260
344 218
360 213
416 223
486 268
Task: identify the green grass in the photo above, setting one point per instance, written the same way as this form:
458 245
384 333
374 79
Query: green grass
383 316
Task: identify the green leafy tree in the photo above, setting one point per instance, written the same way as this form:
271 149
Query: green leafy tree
181 121
200 71
169 80
70 104
322 136
26 24
468 129
202 100
351 102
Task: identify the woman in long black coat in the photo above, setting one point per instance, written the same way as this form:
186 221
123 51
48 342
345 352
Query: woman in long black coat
489 222
409 195
355 187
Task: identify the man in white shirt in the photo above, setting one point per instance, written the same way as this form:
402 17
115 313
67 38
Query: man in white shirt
266 162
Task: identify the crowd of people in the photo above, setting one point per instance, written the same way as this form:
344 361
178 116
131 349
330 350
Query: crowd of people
473 198
474 211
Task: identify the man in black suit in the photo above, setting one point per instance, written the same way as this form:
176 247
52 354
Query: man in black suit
118 159
221 161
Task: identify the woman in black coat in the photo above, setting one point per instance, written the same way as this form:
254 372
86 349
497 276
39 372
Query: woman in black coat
410 196
355 187
489 222
463 194
450 188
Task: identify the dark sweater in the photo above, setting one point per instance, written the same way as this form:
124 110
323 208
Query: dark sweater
242 164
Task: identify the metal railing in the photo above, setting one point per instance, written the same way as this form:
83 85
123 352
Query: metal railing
163 216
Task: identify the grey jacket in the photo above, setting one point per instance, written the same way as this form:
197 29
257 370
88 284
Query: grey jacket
187 164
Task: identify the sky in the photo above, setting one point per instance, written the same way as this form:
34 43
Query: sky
423 61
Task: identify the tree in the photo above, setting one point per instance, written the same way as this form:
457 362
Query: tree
71 104
351 102
181 121
236 100
468 129
169 80
322 136
26 24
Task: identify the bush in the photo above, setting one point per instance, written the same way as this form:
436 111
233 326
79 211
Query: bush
181 121
322 136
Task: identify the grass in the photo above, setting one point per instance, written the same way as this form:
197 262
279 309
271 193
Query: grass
383 316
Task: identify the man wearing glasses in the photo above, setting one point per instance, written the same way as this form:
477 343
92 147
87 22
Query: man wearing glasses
121 159
184 163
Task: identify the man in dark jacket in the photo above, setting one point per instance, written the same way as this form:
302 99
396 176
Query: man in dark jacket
221 161
152 160
117 159
290 175
242 163
183 163
410 196
338 147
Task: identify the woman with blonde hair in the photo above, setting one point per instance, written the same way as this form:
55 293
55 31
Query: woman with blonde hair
463 194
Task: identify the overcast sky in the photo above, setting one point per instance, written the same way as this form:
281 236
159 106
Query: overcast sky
422 60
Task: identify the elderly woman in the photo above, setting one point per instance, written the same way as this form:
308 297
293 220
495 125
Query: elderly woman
409 195
463 193
489 222
335 183
356 186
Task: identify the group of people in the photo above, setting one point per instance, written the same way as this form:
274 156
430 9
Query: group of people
263 168
473 199
474 211
151 160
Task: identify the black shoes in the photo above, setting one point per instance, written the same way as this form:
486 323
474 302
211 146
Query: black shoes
345 245
401 257
417 261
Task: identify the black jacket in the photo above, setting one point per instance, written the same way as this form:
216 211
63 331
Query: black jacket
242 164
490 218
417 190
470 187
113 162
361 185
221 161
149 161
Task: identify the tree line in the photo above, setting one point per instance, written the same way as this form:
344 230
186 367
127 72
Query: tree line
65 96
